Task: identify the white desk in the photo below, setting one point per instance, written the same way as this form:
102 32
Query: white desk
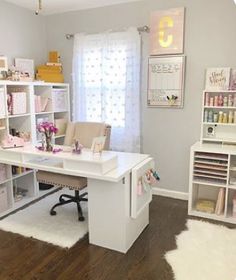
117 215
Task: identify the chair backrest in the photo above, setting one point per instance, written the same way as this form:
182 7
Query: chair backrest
85 132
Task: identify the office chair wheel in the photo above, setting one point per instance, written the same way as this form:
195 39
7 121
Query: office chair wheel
81 219
53 213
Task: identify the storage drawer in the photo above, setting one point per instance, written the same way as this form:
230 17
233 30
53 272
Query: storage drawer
3 172
3 199
139 201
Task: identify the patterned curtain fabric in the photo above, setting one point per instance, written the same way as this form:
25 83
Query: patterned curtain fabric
106 84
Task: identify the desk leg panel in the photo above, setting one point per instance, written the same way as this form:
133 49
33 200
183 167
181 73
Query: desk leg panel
110 223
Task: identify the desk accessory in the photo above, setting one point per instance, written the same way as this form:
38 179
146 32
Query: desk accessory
12 142
98 144
77 147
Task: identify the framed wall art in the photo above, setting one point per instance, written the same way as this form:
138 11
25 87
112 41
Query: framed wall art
167 32
218 78
3 64
166 81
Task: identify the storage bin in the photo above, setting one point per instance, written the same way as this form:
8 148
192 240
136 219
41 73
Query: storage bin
19 103
59 98
3 172
2 103
3 199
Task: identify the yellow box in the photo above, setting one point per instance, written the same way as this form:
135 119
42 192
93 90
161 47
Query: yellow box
49 69
51 77
54 57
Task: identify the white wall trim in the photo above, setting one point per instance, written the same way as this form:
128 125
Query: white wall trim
170 193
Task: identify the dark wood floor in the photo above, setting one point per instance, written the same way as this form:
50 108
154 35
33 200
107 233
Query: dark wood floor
23 258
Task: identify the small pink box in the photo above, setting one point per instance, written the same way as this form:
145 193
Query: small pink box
3 199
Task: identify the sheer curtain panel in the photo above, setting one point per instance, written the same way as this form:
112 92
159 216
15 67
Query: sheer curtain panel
106 84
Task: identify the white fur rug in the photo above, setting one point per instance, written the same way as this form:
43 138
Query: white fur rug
35 221
204 252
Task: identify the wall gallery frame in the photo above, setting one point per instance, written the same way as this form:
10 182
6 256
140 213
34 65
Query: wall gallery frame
3 64
166 81
167 32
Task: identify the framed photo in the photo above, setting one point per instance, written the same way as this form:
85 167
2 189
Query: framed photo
167 32
166 81
25 66
218 78
98 144
3 64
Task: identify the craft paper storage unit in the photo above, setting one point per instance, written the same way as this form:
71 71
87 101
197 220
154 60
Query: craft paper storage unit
212 182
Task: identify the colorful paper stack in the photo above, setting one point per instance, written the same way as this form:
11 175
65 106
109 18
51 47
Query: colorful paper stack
52 71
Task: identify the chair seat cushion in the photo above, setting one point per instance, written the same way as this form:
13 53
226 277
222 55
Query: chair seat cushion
71 182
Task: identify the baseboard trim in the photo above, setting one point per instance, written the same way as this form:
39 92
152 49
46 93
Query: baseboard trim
169 193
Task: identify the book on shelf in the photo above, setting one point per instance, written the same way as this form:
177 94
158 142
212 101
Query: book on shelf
220 203
233 80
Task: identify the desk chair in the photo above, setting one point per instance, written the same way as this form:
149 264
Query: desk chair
84 132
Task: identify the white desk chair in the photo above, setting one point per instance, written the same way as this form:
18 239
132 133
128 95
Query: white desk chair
84 132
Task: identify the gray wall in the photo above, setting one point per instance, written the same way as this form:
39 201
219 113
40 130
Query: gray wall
23 34
210 41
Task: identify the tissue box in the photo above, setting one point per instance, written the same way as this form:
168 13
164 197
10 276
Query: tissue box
3 172
3 199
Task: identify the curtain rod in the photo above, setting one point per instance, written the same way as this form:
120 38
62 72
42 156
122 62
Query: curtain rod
141 29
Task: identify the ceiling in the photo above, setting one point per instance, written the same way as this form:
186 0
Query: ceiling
61 6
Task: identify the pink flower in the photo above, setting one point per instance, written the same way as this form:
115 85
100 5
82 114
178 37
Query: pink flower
48 128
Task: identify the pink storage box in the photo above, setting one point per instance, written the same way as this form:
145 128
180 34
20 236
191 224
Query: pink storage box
3 172
2 103
3 199
19 103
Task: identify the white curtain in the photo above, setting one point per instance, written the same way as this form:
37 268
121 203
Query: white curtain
106 84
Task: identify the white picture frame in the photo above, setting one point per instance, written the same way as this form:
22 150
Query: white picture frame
98 144
166 76
25 66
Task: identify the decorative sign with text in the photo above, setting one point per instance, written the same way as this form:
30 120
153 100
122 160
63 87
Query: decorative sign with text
218 78
167 32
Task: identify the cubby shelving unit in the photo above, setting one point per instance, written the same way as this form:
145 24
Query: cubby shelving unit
218 117
212 167
26 122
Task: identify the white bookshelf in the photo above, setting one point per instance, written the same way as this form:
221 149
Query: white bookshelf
212 128
212 166
27 122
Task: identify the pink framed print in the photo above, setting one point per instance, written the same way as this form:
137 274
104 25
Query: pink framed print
167 32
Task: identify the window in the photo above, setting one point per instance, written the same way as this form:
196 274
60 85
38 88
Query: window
106 69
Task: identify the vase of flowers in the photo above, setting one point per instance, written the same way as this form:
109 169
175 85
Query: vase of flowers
47 129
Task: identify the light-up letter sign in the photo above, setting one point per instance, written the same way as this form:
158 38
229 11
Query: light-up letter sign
167 32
